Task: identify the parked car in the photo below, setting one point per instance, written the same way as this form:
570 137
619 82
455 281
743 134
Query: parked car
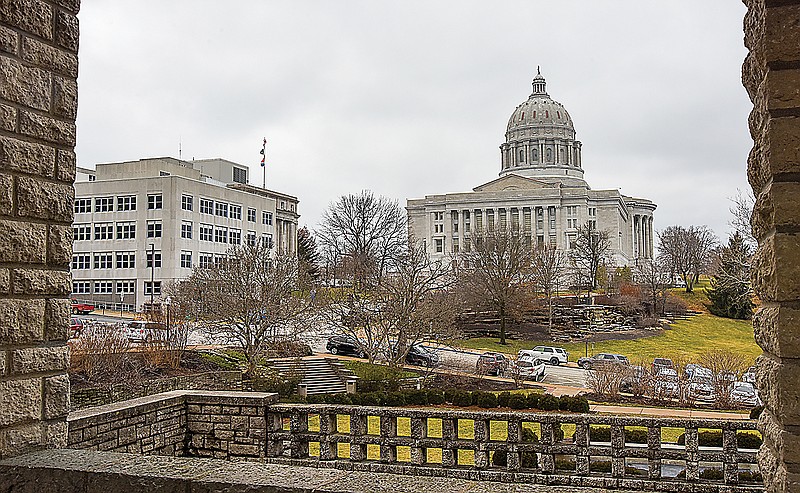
344 344
491 364
662 363
528 369
602 359
701 384
143 331
546 354
750 375
421 356
666 382
75 327
745 394
81 308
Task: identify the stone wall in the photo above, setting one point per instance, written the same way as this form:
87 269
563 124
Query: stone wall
771 75
38 104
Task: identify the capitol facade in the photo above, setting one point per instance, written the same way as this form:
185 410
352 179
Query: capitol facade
541 193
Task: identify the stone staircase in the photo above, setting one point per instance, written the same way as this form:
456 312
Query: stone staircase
320 375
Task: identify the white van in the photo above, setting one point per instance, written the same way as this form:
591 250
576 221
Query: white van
546 354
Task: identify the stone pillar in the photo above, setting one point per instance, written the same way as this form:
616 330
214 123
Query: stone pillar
38 104
771 75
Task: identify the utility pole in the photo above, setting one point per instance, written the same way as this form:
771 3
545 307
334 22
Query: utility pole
152 274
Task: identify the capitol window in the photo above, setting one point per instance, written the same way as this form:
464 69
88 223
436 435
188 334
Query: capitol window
521 156
535 155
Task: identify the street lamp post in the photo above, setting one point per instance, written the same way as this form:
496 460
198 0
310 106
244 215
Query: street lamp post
152 274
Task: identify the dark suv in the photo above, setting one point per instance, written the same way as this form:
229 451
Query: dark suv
491 364
602 359
421 356
344 344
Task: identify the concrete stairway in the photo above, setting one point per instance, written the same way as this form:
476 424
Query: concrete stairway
320 375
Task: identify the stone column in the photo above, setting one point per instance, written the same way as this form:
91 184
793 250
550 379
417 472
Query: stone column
771 75
38 104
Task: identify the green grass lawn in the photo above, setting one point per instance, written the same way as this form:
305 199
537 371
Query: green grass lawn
689 338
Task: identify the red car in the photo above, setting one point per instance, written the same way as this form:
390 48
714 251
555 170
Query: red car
76 327
82 308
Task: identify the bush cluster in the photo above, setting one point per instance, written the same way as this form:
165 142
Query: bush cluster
744 439
459 398
529 459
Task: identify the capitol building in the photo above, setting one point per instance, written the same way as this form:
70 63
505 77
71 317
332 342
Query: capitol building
540 192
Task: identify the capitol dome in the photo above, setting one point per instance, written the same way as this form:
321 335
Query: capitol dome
540 140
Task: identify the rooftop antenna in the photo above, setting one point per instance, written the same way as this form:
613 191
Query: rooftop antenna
263 163
179 147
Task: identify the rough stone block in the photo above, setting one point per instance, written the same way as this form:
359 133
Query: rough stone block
45 200
777 384
18 440
27 157
8 40
65 166
33 16
767 323
65 97
782 151
3 358
46 128
56 324
39 359
782 34
55 433
20 400
50 57
28 86
56 397
59 246
41 282
5 281
71 5
783 88
67 31
22 321
8 118
6 194
22 242
769 282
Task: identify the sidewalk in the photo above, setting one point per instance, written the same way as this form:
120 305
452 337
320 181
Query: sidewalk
667 412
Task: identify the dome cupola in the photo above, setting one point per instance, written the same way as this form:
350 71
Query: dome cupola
540 140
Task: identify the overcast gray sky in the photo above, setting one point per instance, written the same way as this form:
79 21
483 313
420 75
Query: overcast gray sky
412 98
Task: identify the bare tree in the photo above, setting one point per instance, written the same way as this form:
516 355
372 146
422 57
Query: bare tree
361 236
548 269
493 274
250 298
654 278
726 366
741 212
686 251
590 250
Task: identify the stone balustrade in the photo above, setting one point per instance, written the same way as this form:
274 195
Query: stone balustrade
461 444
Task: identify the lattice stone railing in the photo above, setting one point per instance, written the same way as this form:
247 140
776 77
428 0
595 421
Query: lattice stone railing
462 444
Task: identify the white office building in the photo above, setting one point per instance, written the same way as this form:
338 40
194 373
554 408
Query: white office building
142 224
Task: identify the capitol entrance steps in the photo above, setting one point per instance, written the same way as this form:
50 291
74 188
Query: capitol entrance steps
320 375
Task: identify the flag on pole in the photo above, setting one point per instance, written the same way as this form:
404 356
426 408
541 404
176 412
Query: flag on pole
263 152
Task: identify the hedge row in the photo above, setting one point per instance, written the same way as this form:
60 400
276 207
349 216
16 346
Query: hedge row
459 398
744 439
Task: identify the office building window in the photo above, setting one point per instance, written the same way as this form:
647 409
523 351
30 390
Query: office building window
266 240
103 287
205 260
186 230
81 232
251 214
83 206
152 288
81 261
206 206
266 218
236 212
221 235
126 287
126 260
438 244
104 260
154 201
153 259
206 232
235 237
104 231
154 229
81 287
187 202
126 230
126 203
186 259
251 238
221 209
104 204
